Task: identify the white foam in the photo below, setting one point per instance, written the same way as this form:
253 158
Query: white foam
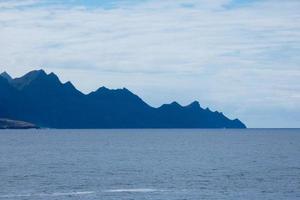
48 194
72 193
133 190
15 195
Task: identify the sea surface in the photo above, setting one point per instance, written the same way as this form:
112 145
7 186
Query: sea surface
150 164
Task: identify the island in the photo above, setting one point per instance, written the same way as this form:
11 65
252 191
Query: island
42 99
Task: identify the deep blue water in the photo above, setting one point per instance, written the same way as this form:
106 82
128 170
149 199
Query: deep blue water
150 164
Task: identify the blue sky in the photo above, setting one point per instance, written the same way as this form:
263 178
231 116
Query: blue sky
240 57
110 4
116 3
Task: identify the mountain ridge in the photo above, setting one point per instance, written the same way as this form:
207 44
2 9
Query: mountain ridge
42 99
6 76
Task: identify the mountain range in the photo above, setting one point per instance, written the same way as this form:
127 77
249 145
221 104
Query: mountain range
42 99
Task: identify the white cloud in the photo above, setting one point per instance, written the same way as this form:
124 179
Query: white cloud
234 60
12 4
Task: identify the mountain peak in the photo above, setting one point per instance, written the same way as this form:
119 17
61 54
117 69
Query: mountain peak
6 76
25 80
33 74
54 77
194 104
70 86
174 103
105 90
39 72
102 89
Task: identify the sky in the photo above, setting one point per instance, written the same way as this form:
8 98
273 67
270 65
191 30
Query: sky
240 57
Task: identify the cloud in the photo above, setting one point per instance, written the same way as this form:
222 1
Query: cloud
13 4
232 58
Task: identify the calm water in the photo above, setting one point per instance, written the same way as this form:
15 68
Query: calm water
150 164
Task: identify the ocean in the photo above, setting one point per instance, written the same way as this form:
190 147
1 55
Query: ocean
150 164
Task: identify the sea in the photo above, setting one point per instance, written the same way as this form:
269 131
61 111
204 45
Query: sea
170 164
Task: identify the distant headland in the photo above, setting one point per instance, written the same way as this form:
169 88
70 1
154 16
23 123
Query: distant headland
42 99
14 124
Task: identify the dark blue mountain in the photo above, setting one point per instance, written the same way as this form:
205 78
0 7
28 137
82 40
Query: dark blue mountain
6 76
42 99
